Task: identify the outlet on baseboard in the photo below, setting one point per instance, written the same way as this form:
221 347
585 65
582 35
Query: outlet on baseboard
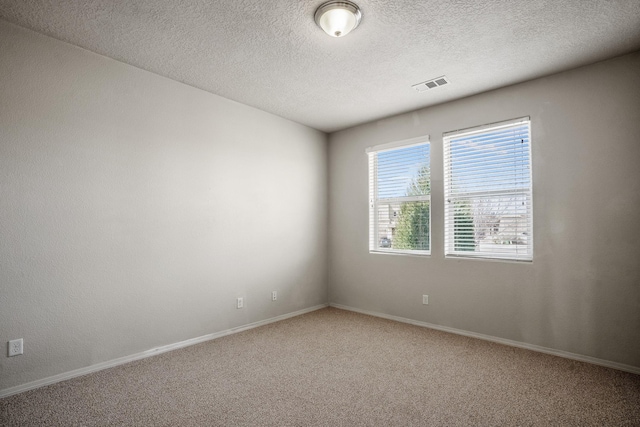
425 299
15 347
240 303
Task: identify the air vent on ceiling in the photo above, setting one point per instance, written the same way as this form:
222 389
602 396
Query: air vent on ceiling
431 84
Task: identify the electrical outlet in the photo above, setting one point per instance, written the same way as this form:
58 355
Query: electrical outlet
274 295
15 347
425 299
240 303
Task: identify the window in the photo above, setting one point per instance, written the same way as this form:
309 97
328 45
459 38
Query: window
400 197
487 190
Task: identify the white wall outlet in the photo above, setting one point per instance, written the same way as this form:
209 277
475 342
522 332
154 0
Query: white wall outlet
274 295
240 303
425 299
15 347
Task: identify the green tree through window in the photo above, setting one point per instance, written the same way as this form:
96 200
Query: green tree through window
463 229
412 231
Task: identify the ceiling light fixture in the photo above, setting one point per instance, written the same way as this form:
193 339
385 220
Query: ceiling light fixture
338 18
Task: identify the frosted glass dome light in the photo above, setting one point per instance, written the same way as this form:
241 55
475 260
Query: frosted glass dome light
338 18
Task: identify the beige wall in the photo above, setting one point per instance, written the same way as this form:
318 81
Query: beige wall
581 294
135 209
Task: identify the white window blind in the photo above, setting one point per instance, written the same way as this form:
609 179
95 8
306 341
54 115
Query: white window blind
400 197
487 180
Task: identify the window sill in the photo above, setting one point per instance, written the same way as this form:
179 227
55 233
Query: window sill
486 258
401 252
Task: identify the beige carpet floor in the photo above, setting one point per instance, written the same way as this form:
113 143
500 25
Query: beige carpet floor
337 368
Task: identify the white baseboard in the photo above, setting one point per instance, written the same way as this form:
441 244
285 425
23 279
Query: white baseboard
148 353
540 349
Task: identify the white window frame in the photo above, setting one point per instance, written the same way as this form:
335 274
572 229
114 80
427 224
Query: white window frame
526 194
374 202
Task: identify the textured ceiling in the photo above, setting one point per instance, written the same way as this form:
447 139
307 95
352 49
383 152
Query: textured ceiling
271 55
